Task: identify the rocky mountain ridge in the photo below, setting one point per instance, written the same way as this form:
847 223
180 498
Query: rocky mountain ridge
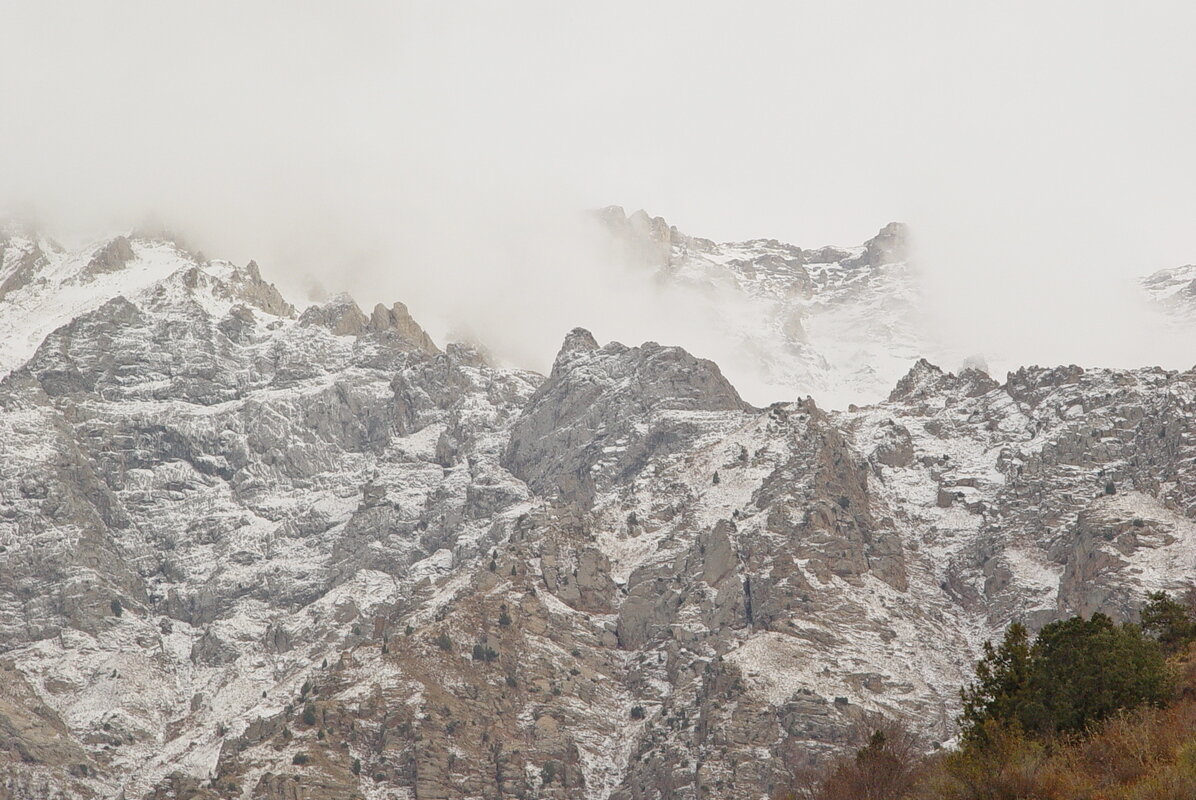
836 323
842 324
255 552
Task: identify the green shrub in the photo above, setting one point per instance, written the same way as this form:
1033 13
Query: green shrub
1078 672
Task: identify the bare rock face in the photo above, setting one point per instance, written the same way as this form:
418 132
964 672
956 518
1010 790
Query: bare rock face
643 239
247 286
605 412
889 246
20 262
344 317
111 257
398 321
925 381
38 755
341 315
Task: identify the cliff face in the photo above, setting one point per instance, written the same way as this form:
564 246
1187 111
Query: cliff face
252 552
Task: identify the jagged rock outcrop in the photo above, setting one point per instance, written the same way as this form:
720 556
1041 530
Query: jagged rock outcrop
605 412
343 317
890 246
20 263
112 257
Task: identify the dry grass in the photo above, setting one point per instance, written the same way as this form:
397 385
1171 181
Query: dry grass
1146 754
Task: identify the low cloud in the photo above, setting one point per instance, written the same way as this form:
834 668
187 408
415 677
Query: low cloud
443 155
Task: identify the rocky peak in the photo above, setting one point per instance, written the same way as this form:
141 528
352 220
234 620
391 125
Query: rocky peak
922 379
656 227
398 322
339 314
888 246
248 286
110 257
640 237
604 409
925 380
639 222
578 343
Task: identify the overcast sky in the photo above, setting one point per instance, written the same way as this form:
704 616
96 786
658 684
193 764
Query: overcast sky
432 152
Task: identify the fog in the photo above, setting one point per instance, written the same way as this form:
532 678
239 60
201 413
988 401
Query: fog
441 153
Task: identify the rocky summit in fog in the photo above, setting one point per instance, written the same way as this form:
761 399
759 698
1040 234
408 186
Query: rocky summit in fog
249 550
841 324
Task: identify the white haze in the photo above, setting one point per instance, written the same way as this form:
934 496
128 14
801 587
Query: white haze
439 153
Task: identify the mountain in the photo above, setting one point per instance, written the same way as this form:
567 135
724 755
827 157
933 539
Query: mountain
253 551
841 324
1174 290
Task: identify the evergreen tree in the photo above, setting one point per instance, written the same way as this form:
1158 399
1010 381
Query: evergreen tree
1000 688
484 652
1168 622
1077 673
1085 670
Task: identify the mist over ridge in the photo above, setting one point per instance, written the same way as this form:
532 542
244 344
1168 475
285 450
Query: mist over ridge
405 152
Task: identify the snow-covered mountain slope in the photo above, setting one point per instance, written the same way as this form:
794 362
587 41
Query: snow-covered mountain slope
1174 290
43 286
840 324
190 447
843 324
248 551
